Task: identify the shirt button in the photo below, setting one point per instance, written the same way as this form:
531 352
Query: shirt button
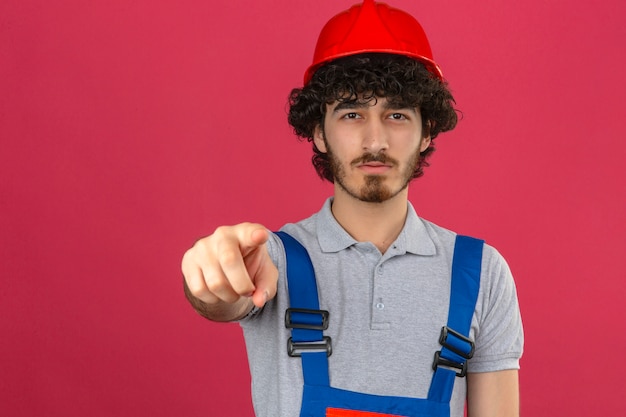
380 306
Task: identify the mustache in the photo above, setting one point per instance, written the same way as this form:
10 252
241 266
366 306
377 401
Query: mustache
371 157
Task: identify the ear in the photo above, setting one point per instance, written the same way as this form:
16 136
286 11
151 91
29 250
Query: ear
318 139
426 139
425 143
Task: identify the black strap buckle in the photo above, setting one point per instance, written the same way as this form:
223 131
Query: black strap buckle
290 324
455 344
461 366
295 349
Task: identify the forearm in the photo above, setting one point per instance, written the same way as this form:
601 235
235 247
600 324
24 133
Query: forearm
222 311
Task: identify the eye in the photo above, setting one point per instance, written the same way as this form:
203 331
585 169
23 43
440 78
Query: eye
397 116
350 115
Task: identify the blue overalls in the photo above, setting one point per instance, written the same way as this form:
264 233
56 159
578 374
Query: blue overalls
307 323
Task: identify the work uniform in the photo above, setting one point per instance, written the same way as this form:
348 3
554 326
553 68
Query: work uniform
387 312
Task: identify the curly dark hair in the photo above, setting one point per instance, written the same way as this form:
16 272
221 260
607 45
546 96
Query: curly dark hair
364 78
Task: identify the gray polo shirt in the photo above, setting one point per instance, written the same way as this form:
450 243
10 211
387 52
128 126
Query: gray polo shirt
386 313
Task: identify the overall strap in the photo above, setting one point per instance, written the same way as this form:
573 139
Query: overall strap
457 348
304 317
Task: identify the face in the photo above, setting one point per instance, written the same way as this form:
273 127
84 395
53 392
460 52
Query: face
373 147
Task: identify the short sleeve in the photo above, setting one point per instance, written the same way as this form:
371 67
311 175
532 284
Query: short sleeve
497 323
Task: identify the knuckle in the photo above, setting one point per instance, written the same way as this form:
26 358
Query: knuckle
201 249
217 286
200 246
230 258
197 289
221 232
186 261
223 291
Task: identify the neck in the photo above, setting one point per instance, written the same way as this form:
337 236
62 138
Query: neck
378 223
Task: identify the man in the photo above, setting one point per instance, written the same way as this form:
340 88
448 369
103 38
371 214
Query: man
385 335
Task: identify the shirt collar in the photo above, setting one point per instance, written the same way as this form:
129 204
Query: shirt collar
413 238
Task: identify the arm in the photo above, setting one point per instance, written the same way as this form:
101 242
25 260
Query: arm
229 272
493 394
493 376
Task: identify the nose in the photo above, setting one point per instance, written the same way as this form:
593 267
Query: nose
375 138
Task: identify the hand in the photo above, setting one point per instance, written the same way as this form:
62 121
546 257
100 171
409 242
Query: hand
230 265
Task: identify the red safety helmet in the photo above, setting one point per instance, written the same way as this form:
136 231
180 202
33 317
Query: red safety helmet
372 27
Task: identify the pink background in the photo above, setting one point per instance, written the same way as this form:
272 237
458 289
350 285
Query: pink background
128 129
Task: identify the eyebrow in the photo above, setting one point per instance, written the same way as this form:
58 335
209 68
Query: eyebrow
357 104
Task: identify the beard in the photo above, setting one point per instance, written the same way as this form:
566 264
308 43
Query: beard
374 189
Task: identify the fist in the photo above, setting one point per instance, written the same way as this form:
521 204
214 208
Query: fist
230 265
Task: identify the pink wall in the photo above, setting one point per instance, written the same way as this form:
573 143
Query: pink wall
128 129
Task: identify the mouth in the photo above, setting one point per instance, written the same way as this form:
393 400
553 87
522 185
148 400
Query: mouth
374 164
374 168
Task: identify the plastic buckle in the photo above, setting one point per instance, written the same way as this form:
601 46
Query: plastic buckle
439 361
453 346
294 349
443 340
290 324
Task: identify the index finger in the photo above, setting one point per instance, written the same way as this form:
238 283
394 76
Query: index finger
251 236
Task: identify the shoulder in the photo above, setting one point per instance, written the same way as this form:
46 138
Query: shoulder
496 325
308 231
492 260
304 231
440 235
